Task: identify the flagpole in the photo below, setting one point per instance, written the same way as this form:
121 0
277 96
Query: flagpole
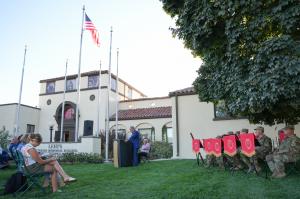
117 91
107 106
99 100
20 95
78 79
63 105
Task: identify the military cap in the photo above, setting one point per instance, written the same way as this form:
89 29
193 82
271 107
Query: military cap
292 127
244 131
260 128
230 133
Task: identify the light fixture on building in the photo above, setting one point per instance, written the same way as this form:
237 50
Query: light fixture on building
51 127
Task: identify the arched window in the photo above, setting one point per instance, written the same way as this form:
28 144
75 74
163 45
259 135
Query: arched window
167 133
147 131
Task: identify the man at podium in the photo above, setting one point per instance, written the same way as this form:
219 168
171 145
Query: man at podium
135 140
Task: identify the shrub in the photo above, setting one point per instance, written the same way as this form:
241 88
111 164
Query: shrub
161 150
80 158
4 138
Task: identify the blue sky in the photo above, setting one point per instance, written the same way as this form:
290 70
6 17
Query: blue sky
150 58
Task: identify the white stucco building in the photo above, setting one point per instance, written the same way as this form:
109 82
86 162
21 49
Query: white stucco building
170 118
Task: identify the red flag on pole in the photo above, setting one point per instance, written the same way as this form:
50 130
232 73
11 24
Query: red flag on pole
217 147
196 145
92 28
230 145
247 144
208 146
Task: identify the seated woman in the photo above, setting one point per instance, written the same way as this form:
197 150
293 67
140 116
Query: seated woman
36 164
145 149
3 158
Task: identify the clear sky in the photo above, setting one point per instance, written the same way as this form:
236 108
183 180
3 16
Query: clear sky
150 58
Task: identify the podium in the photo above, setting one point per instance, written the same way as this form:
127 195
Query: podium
123 152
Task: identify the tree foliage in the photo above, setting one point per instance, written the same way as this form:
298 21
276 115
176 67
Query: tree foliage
250 51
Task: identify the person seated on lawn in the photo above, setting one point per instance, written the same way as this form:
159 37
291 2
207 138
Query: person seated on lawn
36 164
145 149
237 162
261 151
3 158
288 151
13 145
23 141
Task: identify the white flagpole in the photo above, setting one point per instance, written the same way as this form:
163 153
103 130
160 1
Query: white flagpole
117 92
107 106
99 101
63 105
20 96
78 79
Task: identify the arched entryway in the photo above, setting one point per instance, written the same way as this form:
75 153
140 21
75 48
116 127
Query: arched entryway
69 122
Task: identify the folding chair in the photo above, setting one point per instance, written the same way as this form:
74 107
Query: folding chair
32 178
293 167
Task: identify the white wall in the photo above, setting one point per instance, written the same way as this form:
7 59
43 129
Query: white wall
87 145
28 115
197 117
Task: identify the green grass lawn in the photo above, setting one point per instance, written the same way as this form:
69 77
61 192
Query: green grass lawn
166 179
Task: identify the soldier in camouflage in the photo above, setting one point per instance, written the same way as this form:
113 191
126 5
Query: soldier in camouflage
261 151
210 160
288 151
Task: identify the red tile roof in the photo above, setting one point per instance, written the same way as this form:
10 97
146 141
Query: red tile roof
144 113
185 91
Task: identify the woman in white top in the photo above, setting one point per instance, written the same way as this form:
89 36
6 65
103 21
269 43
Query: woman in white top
36 164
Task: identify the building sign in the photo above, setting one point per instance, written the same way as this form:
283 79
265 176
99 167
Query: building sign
57 149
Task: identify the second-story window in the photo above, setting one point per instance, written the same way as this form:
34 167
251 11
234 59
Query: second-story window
113 84
93 81
50 87
71 84
129 93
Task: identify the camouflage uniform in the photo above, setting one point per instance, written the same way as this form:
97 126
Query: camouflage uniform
210 160
261 152
288 151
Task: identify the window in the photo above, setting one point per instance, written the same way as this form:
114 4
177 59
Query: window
167 134
93 81
113 84
50 87
221 110
147 133
30 128
129 93
71 84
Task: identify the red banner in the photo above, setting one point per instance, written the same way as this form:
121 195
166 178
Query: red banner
247 144
208 146
196 145
230 145
217 147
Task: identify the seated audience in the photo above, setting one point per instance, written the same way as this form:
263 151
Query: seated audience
3 157
23 141
145 149
288 151
261 151
36 164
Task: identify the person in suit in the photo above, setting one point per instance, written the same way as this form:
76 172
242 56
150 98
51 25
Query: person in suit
135 140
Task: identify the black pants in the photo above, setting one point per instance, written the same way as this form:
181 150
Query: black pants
142 154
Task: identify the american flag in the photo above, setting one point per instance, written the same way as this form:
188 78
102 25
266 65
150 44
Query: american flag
91 27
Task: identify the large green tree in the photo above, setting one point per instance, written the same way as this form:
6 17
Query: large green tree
250 51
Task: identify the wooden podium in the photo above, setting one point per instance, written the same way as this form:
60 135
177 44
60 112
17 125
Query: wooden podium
123 152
